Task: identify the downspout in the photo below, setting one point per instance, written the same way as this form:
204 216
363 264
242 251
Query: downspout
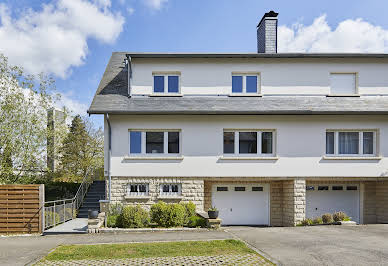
109 154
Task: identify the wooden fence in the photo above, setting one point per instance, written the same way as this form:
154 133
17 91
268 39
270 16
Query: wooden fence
21 209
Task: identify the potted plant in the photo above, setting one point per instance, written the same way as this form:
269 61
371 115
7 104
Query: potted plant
213 213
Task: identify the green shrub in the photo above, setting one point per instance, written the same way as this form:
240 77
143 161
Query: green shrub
113 221
157 213
134 217
306 221
115 209
196 221
317 220
168 215
175 215
190 210
340 216
327 218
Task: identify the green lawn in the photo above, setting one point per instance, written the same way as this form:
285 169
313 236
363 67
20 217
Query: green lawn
144 250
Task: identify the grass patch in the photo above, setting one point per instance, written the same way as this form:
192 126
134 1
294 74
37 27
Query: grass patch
146 250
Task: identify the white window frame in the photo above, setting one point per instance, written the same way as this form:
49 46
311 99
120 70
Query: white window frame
166 74
360 143
244 81
170 193
138 194
356 89
259 136
143 152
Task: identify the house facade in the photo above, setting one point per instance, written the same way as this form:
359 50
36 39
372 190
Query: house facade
268 138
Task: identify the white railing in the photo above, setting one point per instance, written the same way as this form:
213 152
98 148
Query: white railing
60 211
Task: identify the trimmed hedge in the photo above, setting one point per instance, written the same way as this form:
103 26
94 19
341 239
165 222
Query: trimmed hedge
134 217
168 215
196 221
190 210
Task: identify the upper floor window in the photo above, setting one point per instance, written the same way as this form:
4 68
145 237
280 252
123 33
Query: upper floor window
351 143
154 142
166 82
343 83
245 83
249 142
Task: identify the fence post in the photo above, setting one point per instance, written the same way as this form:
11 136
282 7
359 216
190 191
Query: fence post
64 211
54 215
42 215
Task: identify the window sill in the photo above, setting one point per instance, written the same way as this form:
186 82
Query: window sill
351 157
248 158
175 158
167 94
137 197
245 95
343 95
170 197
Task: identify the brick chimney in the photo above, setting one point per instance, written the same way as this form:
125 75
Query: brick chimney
267 31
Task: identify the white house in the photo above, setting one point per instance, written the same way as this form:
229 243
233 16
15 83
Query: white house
268 138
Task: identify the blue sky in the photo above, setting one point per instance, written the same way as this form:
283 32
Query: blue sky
172 26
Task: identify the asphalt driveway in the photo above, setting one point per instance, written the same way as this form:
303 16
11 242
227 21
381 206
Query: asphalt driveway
320 245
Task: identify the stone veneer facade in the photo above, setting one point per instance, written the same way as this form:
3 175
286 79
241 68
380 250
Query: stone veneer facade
287 197
192 190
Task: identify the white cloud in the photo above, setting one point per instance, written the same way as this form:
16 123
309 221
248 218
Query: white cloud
73 106
54 39
353 36
154 4
130 10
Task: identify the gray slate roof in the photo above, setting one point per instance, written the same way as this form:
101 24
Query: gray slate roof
111 97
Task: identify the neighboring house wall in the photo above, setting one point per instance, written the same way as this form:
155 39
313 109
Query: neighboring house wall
300 146
277 76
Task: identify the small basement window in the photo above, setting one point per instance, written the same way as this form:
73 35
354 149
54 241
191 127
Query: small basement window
257 188
351 188
337 188
239 188
309 188
222 188
138 190
171 189
323 187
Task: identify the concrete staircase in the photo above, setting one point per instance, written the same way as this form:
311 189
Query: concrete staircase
95 193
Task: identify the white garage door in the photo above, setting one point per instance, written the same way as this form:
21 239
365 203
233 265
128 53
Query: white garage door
321 199
242 204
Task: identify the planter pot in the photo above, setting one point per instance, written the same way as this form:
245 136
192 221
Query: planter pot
212 214
92 214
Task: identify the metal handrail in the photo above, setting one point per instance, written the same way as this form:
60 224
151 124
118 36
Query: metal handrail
75 203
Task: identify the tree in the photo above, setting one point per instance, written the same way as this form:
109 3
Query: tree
81 151
24 101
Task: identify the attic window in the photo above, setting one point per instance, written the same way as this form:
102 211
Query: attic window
166 83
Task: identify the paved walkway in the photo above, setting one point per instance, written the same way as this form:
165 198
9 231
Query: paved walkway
184 260
76 226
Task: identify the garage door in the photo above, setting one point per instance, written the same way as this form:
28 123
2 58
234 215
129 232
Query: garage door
325 198
242 204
